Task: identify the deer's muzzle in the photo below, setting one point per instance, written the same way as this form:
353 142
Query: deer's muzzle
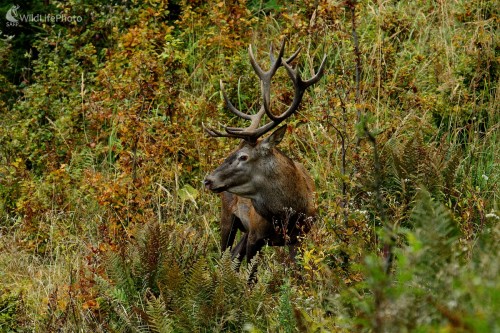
210 185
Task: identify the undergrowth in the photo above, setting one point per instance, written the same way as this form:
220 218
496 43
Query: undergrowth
105 224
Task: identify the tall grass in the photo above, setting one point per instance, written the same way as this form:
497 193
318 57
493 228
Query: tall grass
87 246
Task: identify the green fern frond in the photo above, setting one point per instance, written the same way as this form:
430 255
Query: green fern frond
199 287
227 274
81 161
158 317
170 276
228 286
435 229
119 272
122 318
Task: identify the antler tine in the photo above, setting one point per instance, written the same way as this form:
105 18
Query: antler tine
230 105
271 53
318 75
300 88
293 56
231 132
289 60
266 86
213 133
265 77
275 63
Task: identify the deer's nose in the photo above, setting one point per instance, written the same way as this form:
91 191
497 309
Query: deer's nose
208 183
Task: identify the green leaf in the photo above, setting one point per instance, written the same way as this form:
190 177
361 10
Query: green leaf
188 193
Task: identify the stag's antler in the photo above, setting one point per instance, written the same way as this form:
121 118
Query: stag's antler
253 132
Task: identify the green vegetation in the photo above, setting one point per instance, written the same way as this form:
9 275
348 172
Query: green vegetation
105 225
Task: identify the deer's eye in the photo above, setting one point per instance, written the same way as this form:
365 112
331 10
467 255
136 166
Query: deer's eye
243 157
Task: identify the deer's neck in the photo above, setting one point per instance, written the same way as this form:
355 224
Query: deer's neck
283 190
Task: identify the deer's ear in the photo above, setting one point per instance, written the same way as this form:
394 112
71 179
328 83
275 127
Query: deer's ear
274 139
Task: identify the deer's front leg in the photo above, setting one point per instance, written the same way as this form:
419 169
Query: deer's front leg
229 227
239 251
254 244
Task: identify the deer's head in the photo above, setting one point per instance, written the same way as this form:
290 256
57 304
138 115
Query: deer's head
238 173
255 161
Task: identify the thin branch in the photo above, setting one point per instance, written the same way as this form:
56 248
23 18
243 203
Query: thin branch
357 55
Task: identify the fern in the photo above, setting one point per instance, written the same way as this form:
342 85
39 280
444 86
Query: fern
81 161
229 287
150 255
450 170
147 287
158 317
197 293
411 156
412 165
121 294
422 285
227 275
199 283
436 231
119 272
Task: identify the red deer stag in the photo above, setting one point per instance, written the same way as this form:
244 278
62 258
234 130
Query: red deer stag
265 194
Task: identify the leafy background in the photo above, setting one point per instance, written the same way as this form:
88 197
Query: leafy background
104 221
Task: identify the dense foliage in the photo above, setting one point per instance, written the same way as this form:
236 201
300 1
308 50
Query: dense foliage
104 222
